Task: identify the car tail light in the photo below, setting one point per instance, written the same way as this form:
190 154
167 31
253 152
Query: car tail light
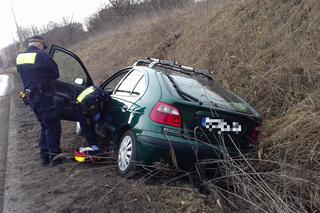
255 135
166 114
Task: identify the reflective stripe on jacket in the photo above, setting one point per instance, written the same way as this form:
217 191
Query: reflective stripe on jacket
85 93
36 68
26 58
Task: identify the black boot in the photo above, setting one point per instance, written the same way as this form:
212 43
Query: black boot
44 161
55 159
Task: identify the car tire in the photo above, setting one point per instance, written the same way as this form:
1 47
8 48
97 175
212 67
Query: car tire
126 162
78 129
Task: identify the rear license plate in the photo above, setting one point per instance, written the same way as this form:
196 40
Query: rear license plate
220 125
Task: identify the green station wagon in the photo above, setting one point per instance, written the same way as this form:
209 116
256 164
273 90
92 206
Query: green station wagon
161 109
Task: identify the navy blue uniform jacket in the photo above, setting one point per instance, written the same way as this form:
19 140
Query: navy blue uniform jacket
37 72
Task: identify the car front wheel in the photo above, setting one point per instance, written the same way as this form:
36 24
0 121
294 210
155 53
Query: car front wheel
127 153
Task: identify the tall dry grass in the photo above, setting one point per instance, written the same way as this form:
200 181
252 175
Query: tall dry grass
267 51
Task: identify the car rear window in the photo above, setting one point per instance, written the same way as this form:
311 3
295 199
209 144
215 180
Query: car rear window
208 92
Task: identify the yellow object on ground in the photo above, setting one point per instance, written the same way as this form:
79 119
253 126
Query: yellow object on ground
80 159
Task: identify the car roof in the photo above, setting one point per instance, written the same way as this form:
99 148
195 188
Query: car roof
174 66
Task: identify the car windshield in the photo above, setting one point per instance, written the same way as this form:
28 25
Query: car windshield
209 92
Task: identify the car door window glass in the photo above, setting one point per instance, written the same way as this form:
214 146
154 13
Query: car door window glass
69 68
129 83
114 82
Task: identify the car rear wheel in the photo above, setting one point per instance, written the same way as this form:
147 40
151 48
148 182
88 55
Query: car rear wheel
127 154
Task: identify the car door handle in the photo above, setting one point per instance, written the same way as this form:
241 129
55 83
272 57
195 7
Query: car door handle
124 108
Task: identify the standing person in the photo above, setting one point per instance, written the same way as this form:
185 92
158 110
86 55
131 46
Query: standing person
37 71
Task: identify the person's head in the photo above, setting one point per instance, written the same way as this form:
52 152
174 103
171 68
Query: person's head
95 101
37 41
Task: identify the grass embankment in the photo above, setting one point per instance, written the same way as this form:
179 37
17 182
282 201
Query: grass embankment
268 52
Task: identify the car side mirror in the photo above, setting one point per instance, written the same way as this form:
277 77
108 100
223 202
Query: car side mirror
78 81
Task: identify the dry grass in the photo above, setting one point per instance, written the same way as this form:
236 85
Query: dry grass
267 52
104 54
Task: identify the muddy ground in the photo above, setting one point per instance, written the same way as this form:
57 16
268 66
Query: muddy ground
92 187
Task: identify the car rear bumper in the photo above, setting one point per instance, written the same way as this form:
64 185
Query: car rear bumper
153 149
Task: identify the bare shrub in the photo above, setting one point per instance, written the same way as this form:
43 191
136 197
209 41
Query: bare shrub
66 33
119 12
8 55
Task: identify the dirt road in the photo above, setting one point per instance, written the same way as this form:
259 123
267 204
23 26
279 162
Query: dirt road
25 186
7 80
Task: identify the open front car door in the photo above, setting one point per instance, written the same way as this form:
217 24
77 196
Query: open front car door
73 79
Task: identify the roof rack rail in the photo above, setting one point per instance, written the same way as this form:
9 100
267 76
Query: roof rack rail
152 62
141 62
155 61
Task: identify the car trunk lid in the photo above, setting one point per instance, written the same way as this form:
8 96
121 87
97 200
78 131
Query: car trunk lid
213 125
212 114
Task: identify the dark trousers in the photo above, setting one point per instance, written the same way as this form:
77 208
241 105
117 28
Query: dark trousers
87 124
45 110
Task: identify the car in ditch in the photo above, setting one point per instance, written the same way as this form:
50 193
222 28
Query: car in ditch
162 111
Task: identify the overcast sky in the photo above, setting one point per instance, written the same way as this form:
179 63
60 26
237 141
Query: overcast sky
41 12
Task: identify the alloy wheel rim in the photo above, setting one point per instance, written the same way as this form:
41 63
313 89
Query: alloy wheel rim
125 153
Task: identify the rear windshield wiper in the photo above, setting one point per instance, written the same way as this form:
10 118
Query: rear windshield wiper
182 93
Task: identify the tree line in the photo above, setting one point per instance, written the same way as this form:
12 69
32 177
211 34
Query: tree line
67 33
117 11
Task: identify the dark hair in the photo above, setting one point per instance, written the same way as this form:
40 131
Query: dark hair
38 39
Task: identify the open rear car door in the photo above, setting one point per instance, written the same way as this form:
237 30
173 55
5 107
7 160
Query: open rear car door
73 79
